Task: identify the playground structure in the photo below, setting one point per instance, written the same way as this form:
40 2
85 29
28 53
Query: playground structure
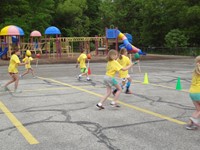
10 38
53 45
116 35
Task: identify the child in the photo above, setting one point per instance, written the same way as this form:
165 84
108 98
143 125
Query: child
124 61
109 79
28 67
194 121
84 71
13 70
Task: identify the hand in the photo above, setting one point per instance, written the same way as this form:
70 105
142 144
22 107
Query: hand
137 61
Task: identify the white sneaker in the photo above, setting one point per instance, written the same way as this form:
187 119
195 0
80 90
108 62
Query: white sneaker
191 127
88 79
79 77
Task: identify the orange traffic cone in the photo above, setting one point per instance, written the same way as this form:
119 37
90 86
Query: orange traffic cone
89 71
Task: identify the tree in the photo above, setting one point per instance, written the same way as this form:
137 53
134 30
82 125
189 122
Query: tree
176 38
69 17
93 13
27 14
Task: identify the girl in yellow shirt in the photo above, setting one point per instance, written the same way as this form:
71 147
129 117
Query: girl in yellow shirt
124 75
28 67
194 121
13 70
109 79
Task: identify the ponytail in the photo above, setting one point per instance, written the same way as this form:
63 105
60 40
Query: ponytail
122 52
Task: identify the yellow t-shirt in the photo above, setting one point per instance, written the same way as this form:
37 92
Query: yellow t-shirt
125 61
195 84
112 67
27 59
81 59
13 65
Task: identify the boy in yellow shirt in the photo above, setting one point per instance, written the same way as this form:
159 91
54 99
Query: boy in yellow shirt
109 79
28 67
13 70
83 69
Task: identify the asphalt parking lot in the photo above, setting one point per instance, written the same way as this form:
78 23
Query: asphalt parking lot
57 112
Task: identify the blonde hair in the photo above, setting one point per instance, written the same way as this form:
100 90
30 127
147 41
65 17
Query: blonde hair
110 55
197 66
122 52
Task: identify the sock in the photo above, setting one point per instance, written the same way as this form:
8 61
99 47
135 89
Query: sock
80 75
128 84
114 91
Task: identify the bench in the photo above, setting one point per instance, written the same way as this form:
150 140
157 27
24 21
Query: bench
102 49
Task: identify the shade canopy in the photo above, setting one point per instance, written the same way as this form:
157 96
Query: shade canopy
35 33
12 30
52 31
21 31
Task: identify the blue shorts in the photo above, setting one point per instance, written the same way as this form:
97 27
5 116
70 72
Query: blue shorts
195 96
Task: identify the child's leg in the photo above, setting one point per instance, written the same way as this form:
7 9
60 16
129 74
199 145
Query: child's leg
128 84
196 114
16 76
119 90
108 88
26 72
121 84
32 71
194 119
84 73
11 81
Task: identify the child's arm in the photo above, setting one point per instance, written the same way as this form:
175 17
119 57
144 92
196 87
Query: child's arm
22 64
129 66
77 64
25 62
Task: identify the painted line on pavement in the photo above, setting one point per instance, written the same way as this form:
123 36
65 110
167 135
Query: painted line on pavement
122 103
157 85
27 135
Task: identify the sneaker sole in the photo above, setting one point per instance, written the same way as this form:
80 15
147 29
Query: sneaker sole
99 107
192 128
117 106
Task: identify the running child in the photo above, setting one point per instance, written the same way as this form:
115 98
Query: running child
194 120
109 79
28 67
83 69
13 70
124 61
